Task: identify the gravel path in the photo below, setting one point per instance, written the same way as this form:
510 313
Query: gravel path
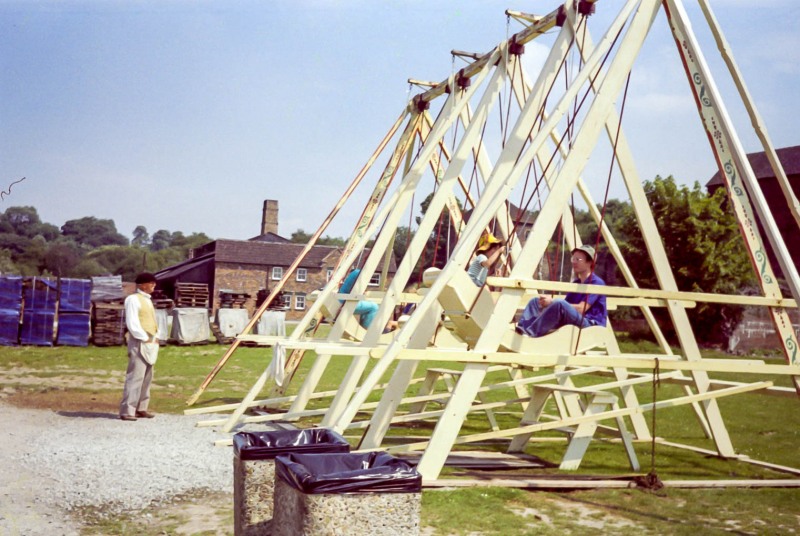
55 462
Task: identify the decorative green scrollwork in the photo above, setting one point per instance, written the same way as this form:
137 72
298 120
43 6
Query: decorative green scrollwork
702 96
730 170
761 259
791 345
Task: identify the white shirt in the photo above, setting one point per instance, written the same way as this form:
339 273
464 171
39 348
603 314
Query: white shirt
477 271
132 308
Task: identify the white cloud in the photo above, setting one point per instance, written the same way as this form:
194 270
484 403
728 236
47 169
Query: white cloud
662 103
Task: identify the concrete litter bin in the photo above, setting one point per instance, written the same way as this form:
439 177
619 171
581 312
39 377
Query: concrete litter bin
333 494
254 471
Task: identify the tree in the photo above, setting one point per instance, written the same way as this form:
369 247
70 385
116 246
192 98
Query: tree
31 260
442 239
61 258
25 222
85 247
21 220
87 268
302 237
122 260
179 240
93 232
703 245
161 240
14 243
7 265
141 237
402 238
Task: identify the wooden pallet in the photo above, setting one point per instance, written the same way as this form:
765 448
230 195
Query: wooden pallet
191 295
233 300
221 339
108 323
163 303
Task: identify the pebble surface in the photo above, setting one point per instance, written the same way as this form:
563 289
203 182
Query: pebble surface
56 462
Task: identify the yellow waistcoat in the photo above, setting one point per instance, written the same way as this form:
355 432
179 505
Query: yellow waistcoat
147 315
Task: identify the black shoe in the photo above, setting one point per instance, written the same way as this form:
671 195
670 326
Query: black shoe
128 417
519 330
145 414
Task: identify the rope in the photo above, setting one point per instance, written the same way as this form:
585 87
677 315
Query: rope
650 481
508 105
475 153
656 385
614 159
438 238
567 132
608 187
571 120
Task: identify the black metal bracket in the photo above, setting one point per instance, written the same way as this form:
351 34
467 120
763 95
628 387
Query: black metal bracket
561 16
421 104
462 81
517 49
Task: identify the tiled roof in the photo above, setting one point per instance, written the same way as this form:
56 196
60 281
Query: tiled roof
274 253
270 253
789 157
270 237
182 267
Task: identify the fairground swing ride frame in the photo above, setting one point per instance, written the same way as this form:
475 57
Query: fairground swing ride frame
544 151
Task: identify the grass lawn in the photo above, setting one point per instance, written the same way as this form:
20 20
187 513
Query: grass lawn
762 427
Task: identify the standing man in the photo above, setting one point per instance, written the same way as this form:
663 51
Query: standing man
544 314
140 319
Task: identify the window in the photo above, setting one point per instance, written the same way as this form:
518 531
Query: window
300 302
302 274
277 272
328 274
375 280
286 300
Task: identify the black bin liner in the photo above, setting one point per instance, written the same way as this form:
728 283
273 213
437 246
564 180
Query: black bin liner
371 472
268 445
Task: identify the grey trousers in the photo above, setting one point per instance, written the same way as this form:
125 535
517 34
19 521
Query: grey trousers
136 395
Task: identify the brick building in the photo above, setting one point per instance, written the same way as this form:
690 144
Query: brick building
248 266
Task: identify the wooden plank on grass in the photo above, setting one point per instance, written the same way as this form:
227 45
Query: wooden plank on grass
528 483
547 483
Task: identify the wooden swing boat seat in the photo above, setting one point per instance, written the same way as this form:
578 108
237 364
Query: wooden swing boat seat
469 307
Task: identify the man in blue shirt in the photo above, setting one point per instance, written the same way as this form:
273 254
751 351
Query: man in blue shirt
544 314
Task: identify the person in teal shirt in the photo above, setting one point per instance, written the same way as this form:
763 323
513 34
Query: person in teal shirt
365 310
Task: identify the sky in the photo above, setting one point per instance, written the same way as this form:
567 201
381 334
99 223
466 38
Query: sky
185 115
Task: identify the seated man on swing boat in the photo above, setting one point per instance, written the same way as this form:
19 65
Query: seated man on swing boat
544 314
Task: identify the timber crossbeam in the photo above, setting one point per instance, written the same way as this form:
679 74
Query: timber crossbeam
630 361
628 292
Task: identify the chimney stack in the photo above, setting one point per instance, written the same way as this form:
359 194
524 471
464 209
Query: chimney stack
269 218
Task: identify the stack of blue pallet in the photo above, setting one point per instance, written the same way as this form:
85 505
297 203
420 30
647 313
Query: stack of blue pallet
10 307
73 312
39 311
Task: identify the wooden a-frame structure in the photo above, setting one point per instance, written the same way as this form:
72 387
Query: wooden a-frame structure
552 134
